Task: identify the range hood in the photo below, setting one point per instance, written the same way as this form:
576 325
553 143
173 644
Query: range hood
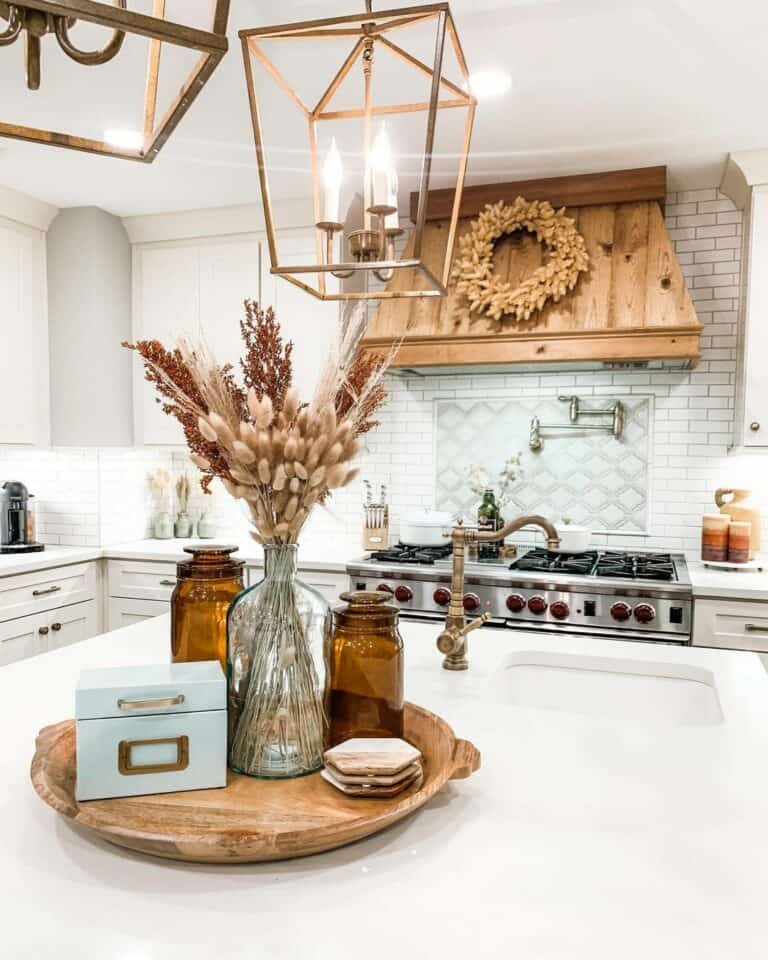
631 310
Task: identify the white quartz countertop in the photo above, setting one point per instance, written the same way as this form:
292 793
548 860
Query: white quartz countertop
728 584
608 831
13 563
315 554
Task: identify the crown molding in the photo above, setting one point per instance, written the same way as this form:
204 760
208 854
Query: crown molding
744 170
210 222
22 208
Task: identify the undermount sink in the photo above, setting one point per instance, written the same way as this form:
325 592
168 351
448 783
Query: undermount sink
637 691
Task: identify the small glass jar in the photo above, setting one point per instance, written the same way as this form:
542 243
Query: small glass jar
206 585
366 668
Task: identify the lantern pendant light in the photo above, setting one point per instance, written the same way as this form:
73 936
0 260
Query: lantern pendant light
364 251
32 20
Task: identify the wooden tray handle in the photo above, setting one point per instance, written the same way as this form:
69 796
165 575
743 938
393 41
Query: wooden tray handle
466 760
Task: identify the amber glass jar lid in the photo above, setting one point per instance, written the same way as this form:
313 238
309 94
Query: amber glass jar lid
366 608
209 562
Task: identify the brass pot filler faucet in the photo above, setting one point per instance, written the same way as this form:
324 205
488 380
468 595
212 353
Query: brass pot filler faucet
452 641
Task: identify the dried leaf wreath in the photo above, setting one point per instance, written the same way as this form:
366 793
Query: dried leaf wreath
482 291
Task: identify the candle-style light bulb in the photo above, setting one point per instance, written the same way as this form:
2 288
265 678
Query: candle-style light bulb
333 173
380 163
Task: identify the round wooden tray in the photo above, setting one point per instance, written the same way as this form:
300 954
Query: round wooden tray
249 820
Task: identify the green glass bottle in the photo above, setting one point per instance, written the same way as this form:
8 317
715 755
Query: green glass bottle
488 518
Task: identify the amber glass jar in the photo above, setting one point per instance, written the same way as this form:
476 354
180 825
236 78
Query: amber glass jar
366 668
205 587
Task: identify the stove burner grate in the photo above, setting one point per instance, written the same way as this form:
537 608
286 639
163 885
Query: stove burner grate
546 560
636 566
405 553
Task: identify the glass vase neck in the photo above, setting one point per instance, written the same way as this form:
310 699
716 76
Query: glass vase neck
280 561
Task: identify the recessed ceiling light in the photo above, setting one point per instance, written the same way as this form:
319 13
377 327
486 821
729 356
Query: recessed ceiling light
489 83
125 139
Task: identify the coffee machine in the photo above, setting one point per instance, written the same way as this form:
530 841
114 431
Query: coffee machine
17 524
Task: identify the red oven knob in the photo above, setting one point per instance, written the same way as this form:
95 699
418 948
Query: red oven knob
385 588
559 609
537 604
621 611
403 594
644 613
471 601
515 602
442 597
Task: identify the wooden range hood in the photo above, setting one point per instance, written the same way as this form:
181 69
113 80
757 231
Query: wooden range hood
632 306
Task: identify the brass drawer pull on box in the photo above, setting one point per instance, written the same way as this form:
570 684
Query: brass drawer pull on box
125 766
43 593
755 628
151 704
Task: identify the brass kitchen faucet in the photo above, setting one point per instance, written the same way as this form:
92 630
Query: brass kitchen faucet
452 641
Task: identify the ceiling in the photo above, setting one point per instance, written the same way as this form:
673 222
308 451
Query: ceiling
597 85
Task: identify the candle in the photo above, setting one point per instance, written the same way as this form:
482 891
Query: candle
381 171
332 176
714 536
738 541
392 221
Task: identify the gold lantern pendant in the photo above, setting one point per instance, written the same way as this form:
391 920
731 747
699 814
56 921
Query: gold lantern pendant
370 249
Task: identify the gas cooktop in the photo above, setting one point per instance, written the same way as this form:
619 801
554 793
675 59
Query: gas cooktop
594 563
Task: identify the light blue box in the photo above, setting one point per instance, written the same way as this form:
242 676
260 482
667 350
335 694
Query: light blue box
150 729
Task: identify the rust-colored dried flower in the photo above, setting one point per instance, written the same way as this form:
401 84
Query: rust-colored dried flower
365 367
267 365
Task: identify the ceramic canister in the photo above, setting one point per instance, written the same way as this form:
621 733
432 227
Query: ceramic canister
714 536
738 541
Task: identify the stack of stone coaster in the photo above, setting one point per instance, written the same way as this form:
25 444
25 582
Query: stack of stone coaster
373 767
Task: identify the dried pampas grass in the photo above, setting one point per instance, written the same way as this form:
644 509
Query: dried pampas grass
280 455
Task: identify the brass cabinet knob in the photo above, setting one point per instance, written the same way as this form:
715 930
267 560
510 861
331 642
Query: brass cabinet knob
56 626
754 426
42 631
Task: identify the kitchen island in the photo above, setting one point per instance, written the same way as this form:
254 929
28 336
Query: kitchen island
619 813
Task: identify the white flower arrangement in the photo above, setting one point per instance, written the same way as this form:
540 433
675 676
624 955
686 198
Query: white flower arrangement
509 476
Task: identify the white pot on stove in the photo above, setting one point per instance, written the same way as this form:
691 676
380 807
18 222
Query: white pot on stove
426 528
573 538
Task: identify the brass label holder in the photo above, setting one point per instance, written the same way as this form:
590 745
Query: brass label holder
126 766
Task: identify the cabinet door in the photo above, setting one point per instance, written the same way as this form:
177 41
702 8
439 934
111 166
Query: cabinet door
229 274
166 304
70 624
122 612
27 593
24 378
756 328
309 322
22 638
731 624
330 585
141 579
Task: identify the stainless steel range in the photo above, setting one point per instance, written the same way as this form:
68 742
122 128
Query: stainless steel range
609 593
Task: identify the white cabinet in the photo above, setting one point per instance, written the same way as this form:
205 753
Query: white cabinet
166 304
123 612
24 376
330 585
28 593
40 632
194 286
20 639
732 624
141 579
138 590
753 401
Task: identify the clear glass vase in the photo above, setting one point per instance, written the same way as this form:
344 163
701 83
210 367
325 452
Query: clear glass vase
279 635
